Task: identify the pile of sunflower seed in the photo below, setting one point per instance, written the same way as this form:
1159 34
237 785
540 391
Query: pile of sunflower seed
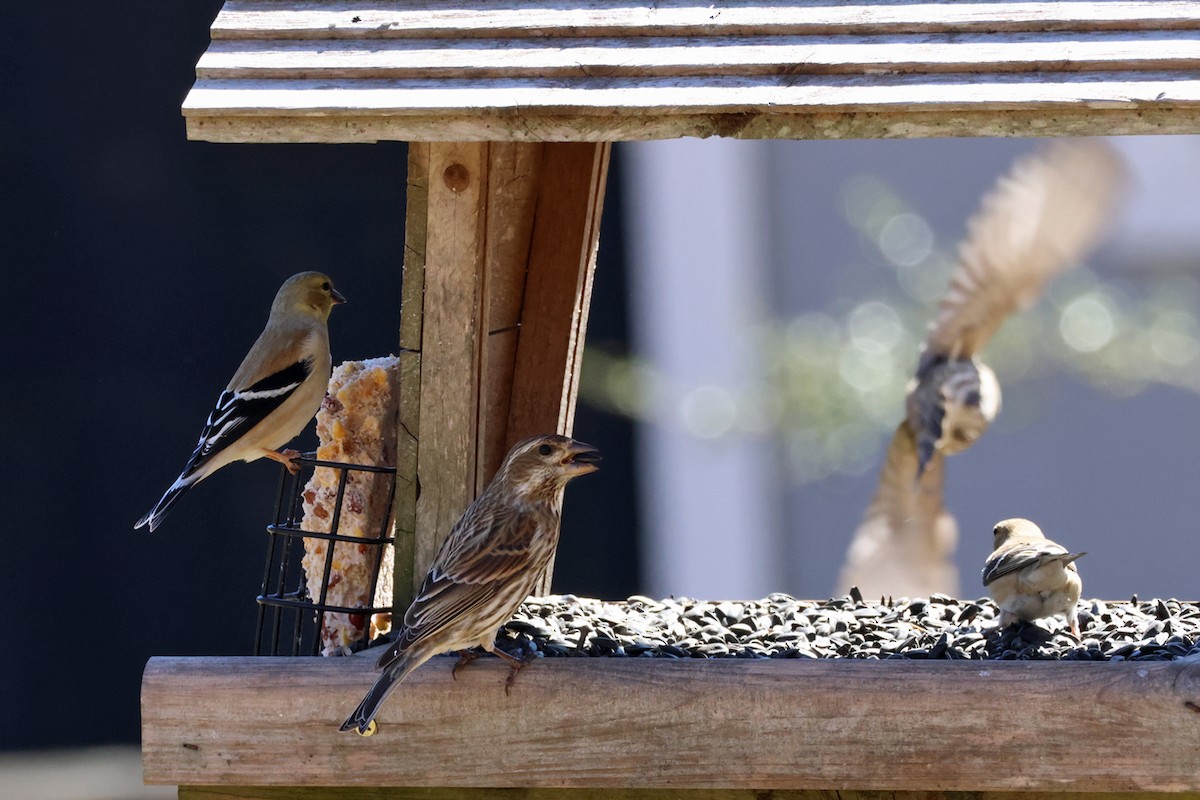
780 626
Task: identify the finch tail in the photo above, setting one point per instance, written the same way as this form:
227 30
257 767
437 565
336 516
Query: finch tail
360 718
154 516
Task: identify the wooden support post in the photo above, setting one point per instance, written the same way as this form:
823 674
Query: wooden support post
412 292
558 294
502 241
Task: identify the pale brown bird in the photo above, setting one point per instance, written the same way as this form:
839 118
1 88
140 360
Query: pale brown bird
1040 219
1031 577
274 393
485 568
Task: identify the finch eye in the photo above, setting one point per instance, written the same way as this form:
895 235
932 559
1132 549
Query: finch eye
545 450
325 286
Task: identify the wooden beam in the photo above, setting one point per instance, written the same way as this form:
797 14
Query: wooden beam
412 301
387 19
516 179
654 724
673 57
455 215
1140 118
593 70
505 236
562 263
396 793
726 94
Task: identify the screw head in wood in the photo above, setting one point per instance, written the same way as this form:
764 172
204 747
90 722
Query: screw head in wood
457 177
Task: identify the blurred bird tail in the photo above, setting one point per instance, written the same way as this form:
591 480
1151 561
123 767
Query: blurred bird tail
1067 559
154 516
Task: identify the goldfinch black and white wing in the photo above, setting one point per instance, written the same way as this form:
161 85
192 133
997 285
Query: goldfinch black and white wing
274 393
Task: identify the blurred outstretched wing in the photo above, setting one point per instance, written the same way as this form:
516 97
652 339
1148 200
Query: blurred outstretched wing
1040 219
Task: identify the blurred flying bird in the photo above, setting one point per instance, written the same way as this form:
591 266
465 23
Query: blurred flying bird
1040 219
274 393
1031 577
485 568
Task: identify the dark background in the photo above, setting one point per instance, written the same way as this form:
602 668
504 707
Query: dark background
139 267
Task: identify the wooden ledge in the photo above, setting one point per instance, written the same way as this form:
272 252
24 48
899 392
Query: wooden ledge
659 724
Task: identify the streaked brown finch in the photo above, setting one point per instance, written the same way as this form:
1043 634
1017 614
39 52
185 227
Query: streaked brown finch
486 567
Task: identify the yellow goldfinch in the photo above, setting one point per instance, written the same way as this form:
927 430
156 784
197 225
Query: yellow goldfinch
1039 220
485 568
1031 577
274 393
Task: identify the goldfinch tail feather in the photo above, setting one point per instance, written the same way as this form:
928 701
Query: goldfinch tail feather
154 516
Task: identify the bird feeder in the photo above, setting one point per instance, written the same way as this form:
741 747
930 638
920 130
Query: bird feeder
510 108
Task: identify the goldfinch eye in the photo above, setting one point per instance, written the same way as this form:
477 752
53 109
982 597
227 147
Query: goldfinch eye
325 287
545 450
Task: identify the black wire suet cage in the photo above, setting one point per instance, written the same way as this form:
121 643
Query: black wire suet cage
291 616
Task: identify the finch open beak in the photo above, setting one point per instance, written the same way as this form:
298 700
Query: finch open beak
338 297
581 459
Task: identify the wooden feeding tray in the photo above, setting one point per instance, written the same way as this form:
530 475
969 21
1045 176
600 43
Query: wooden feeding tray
510 107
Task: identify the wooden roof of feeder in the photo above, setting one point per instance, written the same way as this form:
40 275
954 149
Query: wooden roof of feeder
510 106
593 70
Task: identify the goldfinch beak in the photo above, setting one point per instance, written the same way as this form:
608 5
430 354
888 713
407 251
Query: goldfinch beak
582 459
337 296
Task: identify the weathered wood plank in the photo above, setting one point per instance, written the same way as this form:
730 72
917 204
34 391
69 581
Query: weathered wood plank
692 56
515 179
562 263
558 293
450 341
412 299
426 18
1139 120
397 793
509 243
714 94
654 724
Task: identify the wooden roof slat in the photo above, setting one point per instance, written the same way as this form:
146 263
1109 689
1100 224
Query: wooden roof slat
520 70
617 127
313 19
692 56
711 94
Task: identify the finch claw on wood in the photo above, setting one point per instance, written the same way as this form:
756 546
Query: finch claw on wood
465 657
